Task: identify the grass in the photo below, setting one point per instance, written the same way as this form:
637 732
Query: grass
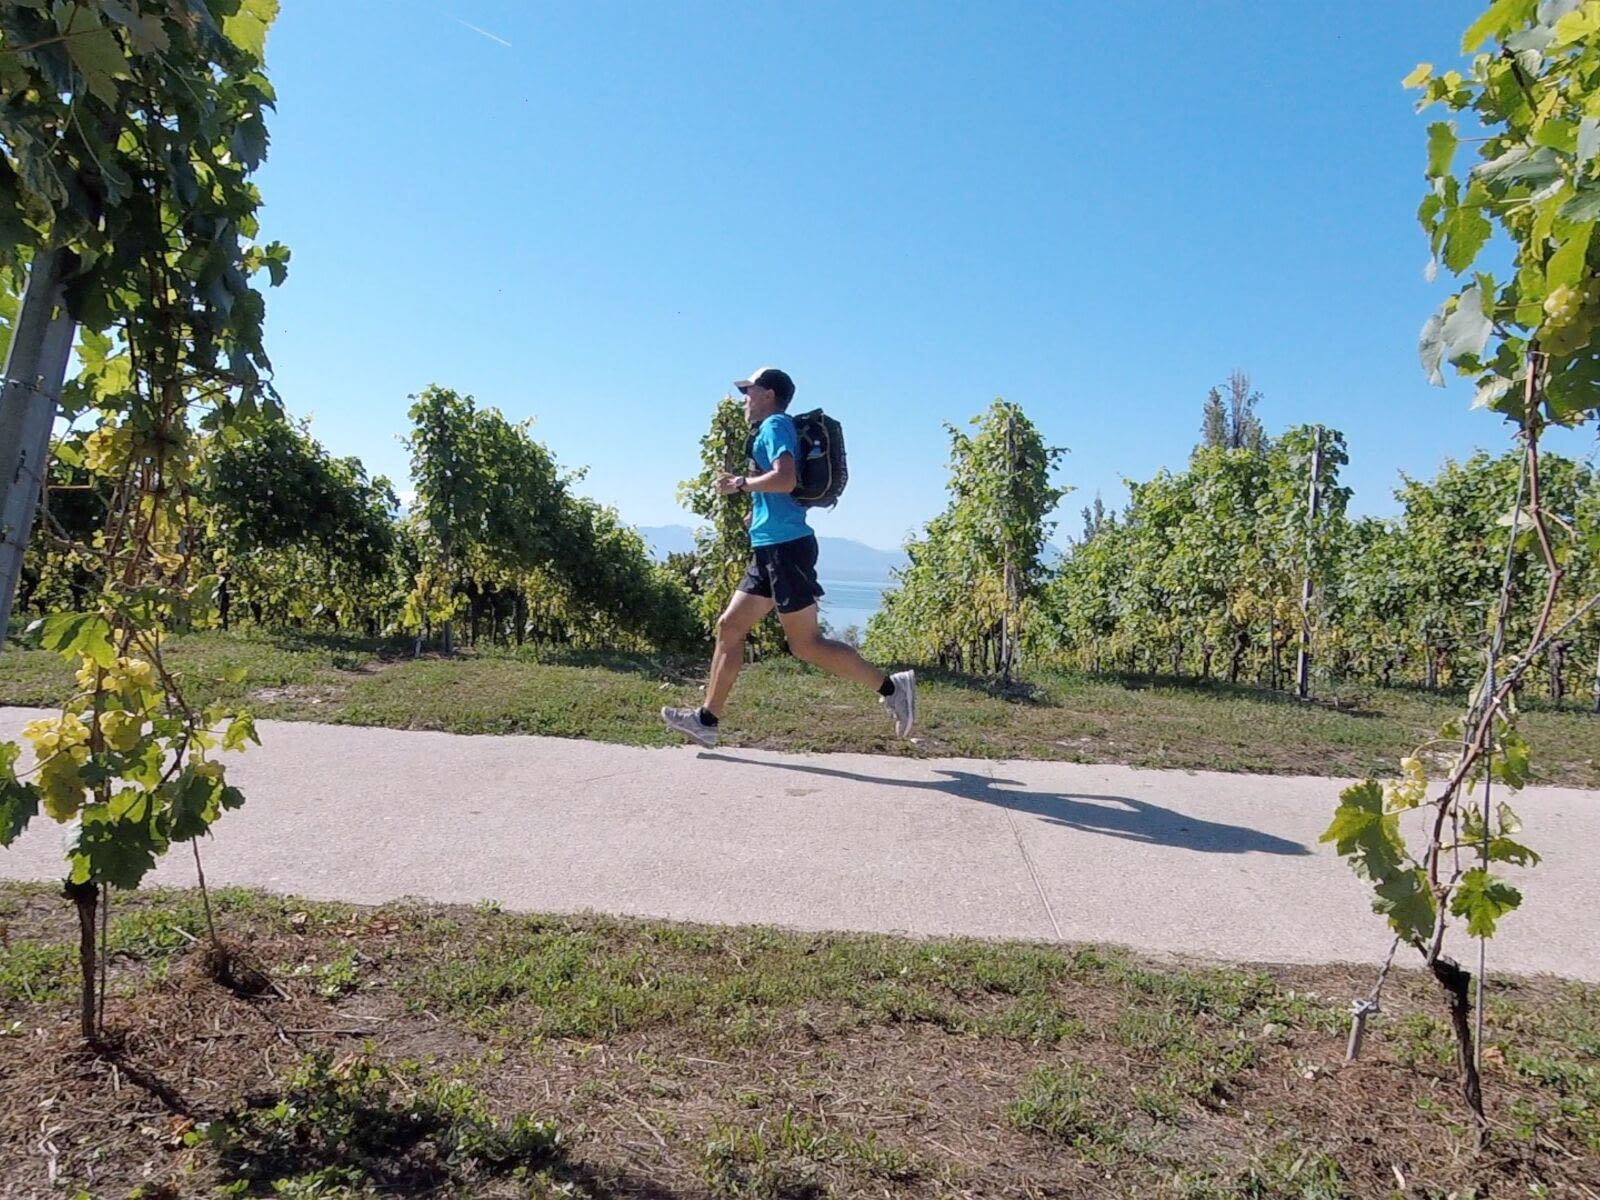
1065 1103
791 1152
423 1050
359 1126
783 705
541 979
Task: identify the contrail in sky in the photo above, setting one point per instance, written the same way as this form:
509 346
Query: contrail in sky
430 6
491 36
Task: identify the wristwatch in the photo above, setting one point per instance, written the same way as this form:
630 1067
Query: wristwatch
741 482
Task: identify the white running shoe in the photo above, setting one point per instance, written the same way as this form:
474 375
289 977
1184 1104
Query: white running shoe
902 705
687 722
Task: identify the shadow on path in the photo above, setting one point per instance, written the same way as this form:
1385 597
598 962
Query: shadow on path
1114 816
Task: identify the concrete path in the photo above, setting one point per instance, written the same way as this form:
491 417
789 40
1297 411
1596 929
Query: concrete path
1207 865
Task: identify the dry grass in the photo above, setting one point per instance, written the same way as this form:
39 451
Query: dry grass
428 1051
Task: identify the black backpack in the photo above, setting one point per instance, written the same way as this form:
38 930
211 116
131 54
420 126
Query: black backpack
822 470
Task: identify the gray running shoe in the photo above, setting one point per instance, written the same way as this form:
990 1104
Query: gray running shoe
902 705
687 722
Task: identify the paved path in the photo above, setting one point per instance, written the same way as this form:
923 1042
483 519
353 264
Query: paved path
1208 865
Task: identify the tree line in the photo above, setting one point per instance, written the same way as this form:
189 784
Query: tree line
1204 572
496 546
1227 568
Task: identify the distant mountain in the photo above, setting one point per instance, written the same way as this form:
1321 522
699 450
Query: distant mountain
841 558
667 539
846 558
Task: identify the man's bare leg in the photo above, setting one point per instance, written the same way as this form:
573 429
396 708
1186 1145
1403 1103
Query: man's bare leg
744 613
837 658
898 692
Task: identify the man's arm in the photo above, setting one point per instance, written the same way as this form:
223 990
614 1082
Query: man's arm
780 479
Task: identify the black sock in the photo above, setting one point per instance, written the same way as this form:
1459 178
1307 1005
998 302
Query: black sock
708 718
888 687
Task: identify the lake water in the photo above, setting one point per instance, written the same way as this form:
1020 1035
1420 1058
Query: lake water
850 602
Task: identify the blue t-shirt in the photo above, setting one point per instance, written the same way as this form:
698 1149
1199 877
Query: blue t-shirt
777 516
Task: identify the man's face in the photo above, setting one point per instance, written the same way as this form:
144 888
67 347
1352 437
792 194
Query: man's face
759 403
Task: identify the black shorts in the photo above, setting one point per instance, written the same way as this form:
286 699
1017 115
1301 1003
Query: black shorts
785 574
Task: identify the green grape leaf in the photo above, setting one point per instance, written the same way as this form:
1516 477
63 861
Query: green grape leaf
1442 143
1503 849
1489 394
1512 766
199 603
19 802
72 634
1583 206
1510 823
275 257
1580 23
247 27
119 850
146 767
1466 330
1428 211
1419 76
195 802
95 772
1588 140
1545 214
241 729
145 30
1571 393
1362 832
131 804
1530 290
1404 898
1534 166
1560 136
1566 266
1465 231
1483 899
93 348
1500 16
99 59
184 181
249 142
1430 348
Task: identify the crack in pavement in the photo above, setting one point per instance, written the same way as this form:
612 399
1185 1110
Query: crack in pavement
1027 861
613 775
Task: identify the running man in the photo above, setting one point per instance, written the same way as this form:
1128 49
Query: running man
782 574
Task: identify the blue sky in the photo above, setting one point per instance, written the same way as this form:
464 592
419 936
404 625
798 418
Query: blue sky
599 214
